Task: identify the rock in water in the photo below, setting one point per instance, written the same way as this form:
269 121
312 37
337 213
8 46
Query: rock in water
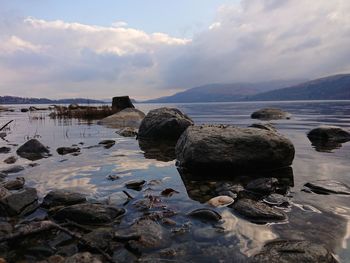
332 133
12 169
67 150
203 148
205 214
126 118
127 132
89 214
121 103
327 187
293 251
221 201
62 198
5 149
270 114
19 202
15 184
164 124
10 160
33 150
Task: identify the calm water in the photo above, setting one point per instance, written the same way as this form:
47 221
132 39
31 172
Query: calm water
323 219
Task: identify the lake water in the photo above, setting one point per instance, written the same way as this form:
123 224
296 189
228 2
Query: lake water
322 219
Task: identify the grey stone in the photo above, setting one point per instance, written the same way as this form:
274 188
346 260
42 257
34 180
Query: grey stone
62 198
67 150
10 160
5 149
270 114
15 203
33 150
127 132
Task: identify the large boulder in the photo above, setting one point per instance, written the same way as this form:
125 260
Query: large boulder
164 124
226 148
126 118
121 103
270 114
33 150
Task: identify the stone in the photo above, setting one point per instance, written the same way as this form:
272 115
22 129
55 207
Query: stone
264 126
16 203
12 169
270 114
67 150
121 103
73 106
11 160
89 214
329 133
107 142
216 148
100 237
327 187
5 149
33 150
15 184
163 151
263 185
127 132
62 197
221 201
24 110
84 257
126 118
257 212
135 184
293 251
276 199
206 233
3 135
164 124
205 214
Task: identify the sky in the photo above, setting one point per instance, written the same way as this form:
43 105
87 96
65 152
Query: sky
147 49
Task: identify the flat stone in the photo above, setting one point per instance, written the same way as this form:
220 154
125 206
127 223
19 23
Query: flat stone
67 150
328 187
16 203
105 142
128 117
5 149
135 184
333 133
62 198
270 114
13 169
127 132
205 214
221 201
14 184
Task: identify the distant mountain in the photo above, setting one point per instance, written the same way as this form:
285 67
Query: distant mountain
336 87
224 92
20 100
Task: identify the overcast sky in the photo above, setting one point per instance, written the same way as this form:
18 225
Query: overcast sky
147 49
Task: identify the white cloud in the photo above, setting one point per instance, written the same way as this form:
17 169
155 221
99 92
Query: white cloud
250 41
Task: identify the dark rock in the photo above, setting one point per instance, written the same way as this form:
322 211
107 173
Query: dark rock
135 184
264 126
16 203
84 257
5 228
33 150
13 169
24 110
10 160
205 214
3 135
328 187
5 149
276 199
89 214
257 212
126 118
112 177
263 185
164 124
107 142
270 114
100 237
121 103
205 148
15 184
62 198
127 132
67 150
328 138
293 251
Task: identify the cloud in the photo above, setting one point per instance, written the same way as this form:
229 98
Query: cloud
253 40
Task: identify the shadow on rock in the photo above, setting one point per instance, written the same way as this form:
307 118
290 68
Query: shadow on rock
159 150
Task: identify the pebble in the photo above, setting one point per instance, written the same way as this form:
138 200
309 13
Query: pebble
221 201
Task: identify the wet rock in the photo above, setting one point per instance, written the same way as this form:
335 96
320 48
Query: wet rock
19 202
159 150
333 133
164 124
5 149
15 184
121 103
89 214
264 126
5 228
12 169
123 255
276 199
2 176
205 214
24 110
112 177
270 114
221 201
11 160
135 184
126 118
328 187
33 150
107 142
73 106
84 257
100 237
263 185
3 135
206 234
127 132
257 212
53 259
67 150
62 198
293 251
216 148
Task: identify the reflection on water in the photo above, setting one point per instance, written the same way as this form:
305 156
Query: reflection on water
321 219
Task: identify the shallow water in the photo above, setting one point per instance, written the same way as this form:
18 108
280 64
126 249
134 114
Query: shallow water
323 219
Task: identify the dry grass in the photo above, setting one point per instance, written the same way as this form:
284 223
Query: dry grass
83 112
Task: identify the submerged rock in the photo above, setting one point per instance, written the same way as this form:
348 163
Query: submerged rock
328 187
12 169
89 214
19 202
276 199
135 184
107 142
10 160
257 211
293 251
332 133
159 150
33 150
126 118
228 148
164 124
127 132
67 150
5 149
205 214
270 114
62 198
100 237
15 184
263 185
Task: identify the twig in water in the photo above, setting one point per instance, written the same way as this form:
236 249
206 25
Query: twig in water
3 127
128 195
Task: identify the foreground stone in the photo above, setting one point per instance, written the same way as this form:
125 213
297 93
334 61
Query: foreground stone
33 150
67 150
126 118
89 214
292 251
19 202
270 114
332 133
164 124
62 198
5 149
327 187
223 148
257 211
